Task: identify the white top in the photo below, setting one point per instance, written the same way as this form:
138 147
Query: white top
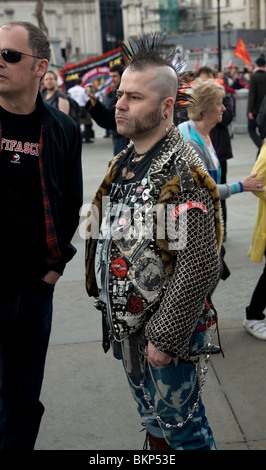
77 92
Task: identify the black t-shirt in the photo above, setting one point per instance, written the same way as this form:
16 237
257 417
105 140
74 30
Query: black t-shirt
139 168
22 234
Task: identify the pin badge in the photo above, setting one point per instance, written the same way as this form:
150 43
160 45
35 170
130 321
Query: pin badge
122 221
119 267
145 194
134 304
139 189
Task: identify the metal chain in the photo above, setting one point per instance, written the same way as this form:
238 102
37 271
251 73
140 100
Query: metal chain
198 372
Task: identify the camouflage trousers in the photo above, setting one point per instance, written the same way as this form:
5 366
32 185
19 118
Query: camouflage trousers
170 395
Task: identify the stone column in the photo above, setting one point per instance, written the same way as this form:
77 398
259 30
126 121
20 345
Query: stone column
240 124
262 15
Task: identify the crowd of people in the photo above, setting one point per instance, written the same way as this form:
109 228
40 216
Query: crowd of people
152 272
234 78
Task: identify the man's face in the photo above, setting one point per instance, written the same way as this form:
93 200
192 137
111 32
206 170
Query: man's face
138 109
115 78
50 81
16 77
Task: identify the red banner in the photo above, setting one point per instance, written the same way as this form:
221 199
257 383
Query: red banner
241 52
95 70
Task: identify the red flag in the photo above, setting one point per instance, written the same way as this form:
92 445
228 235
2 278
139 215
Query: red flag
197 64
241 52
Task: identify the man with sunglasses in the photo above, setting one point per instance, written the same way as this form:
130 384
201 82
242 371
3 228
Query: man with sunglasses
40 197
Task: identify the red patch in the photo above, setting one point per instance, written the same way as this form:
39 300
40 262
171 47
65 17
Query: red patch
186 206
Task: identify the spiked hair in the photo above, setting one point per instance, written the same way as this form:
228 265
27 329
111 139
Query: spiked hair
152 52
148 51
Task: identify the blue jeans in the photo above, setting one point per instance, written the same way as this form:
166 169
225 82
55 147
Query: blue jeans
168 387
25 325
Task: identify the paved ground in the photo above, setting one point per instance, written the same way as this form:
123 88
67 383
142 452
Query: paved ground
88 405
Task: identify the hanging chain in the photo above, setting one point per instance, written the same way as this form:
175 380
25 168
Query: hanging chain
199 377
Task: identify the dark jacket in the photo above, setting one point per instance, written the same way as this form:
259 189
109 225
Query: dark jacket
261 118
63 176
257 91
220 136
103 116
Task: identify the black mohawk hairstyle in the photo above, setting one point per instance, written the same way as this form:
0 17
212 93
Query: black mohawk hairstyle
149 50
152 51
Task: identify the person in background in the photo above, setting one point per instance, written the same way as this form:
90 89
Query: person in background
220 136
205 111
151 290
238 81
254 318
77 92
52 95
41 194
105 98
186 81
257 91
105 115
206 72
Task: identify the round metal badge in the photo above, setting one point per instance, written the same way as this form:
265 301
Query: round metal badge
144 181
139 190
119 267
122 221
149 274
134 304
146 194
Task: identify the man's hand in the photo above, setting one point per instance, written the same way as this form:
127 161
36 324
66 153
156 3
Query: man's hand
157 357
51 277
92 95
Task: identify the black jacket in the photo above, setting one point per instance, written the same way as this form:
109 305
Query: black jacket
257 91
103 116
63 176
220 136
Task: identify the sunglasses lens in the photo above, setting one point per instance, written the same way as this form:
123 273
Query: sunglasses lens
11 56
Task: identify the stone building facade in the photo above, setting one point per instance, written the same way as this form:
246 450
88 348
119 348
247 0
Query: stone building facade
74 28
82 29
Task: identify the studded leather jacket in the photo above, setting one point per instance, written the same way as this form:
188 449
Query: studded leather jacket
156 255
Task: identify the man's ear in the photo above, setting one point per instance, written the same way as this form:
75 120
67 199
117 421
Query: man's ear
42 67
168 105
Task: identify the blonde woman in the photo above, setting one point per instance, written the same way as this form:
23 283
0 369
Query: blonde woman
204 112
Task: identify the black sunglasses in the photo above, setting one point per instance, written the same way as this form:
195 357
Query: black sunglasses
13 57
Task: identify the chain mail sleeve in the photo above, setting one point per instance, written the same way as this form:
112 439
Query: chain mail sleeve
196 272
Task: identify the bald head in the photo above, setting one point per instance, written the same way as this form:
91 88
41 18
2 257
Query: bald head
163 80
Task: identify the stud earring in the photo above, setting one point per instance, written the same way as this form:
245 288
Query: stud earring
166 129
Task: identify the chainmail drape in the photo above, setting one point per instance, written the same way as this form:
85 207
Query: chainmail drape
196 272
